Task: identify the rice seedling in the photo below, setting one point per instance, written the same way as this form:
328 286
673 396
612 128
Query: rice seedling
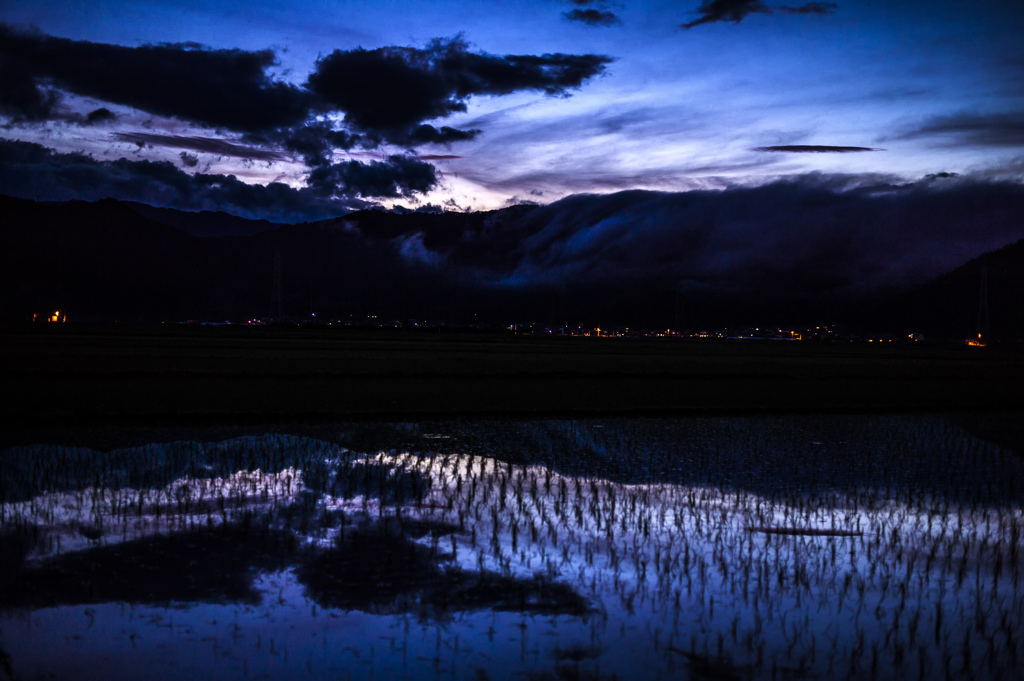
883 547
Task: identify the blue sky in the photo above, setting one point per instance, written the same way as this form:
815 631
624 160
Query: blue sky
928 87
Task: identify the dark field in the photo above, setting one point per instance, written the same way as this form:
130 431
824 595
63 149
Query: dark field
183 374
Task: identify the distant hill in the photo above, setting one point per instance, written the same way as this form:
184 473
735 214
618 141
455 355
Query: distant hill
948 306
100 260
111 260
204 223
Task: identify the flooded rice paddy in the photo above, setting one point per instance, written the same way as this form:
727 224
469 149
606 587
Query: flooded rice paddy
775 547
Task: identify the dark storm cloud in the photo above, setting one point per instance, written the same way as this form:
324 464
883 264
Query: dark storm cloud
438 157
727 10
209 145
992 130
315 141
100 115
218 88
391 91
386 95
737 10
21 97
428 134
814 149
388 92
802 236
32 171
394 177
330 190
592 17
809 8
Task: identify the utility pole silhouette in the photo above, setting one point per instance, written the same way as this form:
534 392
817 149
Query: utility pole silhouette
984 330
676 321
276 302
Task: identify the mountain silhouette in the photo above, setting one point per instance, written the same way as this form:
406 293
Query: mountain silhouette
111 260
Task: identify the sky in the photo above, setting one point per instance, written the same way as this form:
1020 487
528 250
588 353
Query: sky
582 96
823 112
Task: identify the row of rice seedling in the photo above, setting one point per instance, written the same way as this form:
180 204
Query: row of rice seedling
77 520
900 578
739 547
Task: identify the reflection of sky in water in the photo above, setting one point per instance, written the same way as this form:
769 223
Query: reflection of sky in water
285 636
554 555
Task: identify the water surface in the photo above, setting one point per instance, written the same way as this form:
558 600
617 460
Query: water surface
715 547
